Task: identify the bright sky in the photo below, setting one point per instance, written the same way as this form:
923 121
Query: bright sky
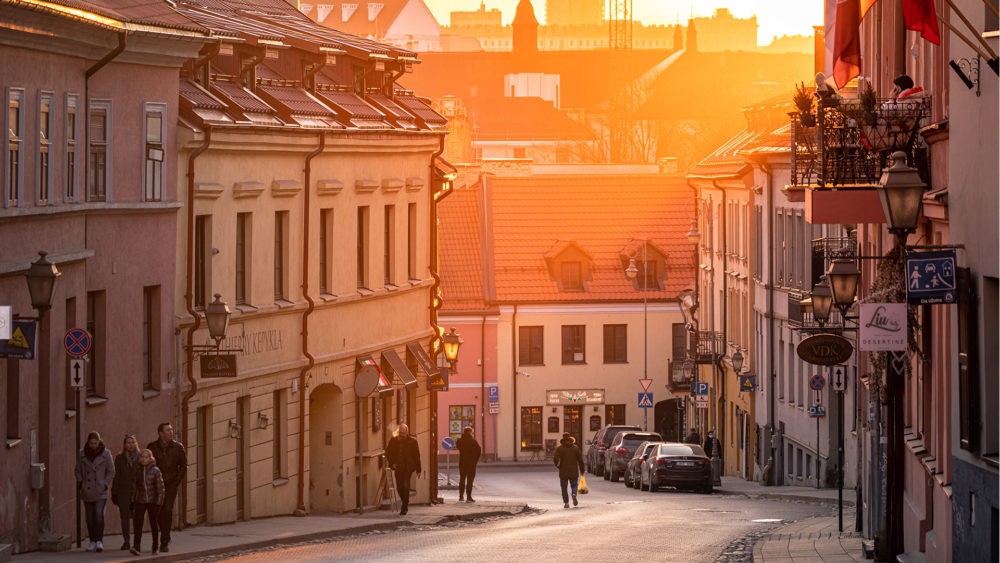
775 17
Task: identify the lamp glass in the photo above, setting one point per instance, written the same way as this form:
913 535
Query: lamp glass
843 275
41 278
822 300
737 360
693 236
451 343
632 271
901 192
217 315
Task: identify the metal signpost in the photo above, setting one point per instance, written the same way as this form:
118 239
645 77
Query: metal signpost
838 382
816 383
77 343
645 401
448 444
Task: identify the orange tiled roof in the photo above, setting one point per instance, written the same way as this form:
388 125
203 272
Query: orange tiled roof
606 216
529 119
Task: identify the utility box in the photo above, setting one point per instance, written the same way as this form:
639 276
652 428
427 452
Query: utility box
37 475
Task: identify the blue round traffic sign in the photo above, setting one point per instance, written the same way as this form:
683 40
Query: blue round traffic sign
448 443
817 382
77 342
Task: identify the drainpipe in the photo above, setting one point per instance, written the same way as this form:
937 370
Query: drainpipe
725 319
189 299
482 381
300 510
771 458
436 198
513 362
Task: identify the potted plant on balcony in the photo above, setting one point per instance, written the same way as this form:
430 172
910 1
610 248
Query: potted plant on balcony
803 100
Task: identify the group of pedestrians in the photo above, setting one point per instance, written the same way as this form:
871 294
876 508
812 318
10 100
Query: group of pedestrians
142 483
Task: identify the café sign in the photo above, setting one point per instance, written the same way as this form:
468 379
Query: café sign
882 327
825 349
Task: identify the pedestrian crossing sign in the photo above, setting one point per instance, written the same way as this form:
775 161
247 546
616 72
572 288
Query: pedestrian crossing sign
645 400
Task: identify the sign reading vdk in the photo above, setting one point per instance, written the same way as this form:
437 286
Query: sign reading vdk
825 349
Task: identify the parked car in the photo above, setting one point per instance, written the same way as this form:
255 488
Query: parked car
631 476
676 465
594 460
622 449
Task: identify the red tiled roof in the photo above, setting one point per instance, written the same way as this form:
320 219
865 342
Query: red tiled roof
606 216
150 12
528 119
462 274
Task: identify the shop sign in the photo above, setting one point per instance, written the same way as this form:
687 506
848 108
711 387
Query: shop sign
882 327
825 349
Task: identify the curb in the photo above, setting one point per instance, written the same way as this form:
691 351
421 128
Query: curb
771 496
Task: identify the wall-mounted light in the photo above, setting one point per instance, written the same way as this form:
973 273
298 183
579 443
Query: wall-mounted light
234 429
262 421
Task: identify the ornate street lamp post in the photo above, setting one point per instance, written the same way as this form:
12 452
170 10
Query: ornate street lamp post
631 272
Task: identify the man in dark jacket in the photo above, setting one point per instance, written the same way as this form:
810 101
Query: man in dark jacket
172 461
712 446
468 456
403 456
569 460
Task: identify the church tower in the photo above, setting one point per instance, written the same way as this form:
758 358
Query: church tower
525 30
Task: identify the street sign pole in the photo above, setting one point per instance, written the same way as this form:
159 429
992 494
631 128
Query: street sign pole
79 423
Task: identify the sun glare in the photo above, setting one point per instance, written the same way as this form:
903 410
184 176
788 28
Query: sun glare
775 17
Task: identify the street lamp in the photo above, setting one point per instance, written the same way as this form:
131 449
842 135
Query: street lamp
451 342
843 276
41 278
217 316
737 361
631 272
693 236
822 300
901 192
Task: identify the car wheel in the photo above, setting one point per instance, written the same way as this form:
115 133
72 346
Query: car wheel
642 485
599 470
652 484
707 489
606 474
614 476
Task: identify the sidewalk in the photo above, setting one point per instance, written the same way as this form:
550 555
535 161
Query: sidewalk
813 539
203 541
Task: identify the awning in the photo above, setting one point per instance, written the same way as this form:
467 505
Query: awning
369 378
395 364
417 353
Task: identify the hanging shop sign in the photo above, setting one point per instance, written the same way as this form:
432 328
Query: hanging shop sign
575 397
21 344
882 327
825 349
218 365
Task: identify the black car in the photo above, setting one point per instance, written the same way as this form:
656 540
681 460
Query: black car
676 465
631 476
594 459
622 449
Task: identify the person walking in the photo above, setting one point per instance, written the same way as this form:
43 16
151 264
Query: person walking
693 437
468 457
569 460
123 485
95 470
403 456
712 446
148 496
172 461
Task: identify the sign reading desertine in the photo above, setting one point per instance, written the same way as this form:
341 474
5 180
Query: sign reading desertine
882 327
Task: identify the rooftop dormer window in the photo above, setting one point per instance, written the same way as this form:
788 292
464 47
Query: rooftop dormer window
570 266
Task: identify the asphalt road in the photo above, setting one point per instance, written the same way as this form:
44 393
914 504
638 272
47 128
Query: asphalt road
612 523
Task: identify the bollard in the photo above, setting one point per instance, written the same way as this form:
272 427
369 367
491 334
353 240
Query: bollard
716 470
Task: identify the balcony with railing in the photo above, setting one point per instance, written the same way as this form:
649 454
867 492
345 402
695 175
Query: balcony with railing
836 163
707 346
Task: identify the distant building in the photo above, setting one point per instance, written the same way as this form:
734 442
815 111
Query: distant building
479 18
402 23
574 12
723 32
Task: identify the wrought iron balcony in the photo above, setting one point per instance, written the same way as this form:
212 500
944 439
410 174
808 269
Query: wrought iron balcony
850 143
707 346
680 380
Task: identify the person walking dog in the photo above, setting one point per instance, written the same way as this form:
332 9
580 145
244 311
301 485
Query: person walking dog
403 456
95 470
123 485
569 460
469 452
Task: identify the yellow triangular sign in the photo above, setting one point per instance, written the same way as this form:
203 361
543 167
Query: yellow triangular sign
18 340
747 384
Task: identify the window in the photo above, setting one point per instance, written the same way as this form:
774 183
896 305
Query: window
202 250
15 134
154 152
99 141
529 346
44 171
280 255
388 245
411 241
96 323
280 443
150 336
573 344
615 344
362 247
614 415
70 180
243 240
325 238
531 428
571 276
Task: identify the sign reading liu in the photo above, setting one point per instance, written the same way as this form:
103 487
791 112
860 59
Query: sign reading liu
881 327
930 277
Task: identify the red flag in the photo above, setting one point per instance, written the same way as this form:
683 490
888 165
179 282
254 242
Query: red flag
845 51
920 15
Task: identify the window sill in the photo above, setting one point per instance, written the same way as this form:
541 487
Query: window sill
150 393
279 482
328 297
365 292
13 442
70 413
574 363
391 287
244 308
283 304
94 400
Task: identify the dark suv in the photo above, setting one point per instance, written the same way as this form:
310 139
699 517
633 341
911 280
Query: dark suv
595 455
622 449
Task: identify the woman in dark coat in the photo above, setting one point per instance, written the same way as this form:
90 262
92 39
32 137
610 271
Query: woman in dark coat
569 460
468 456
126 464
95 470
147 499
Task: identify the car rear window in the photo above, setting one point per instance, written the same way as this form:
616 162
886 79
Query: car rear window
633 440
681 450
613 432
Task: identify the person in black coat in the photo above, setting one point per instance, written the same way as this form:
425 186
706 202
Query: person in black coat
712 446
123 485
403 456
569 459
172 460
468 456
